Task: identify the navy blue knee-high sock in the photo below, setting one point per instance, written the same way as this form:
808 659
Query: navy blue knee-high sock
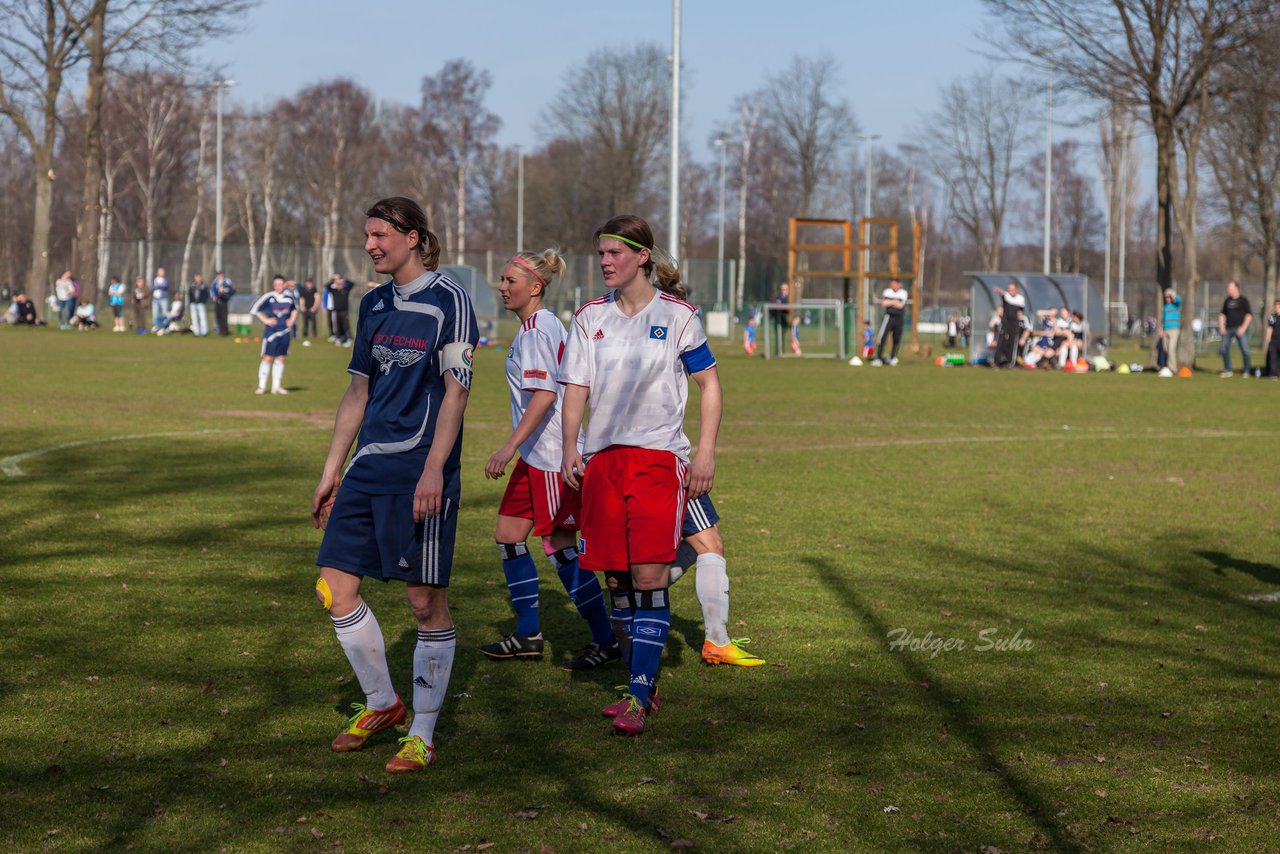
584 591
650 622
522 583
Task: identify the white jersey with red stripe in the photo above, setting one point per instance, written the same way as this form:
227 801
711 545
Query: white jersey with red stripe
533 364
637 369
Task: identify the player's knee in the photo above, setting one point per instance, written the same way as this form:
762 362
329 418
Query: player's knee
650 600
620 589
324 593
429 610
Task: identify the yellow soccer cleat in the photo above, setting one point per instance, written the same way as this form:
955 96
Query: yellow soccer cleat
730 653
365 723
415 754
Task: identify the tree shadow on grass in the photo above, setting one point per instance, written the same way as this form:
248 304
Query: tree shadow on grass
1265 572
1034 803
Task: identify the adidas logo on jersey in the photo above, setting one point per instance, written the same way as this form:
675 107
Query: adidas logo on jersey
379 307
404 564
599 335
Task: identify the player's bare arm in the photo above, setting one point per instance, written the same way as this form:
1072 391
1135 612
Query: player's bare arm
572 408
346 425
539 405
702 470
427 495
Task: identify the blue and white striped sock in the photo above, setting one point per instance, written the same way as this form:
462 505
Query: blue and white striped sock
522 584
584 591
649 627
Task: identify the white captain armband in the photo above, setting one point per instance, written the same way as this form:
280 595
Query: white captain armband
457 358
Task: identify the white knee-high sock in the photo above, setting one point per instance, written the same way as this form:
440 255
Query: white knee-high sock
432 664
277 373
361 639
264 371
712 585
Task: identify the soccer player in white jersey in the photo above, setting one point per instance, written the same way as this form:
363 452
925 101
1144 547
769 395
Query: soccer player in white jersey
536 499
278 312
630 356
393 513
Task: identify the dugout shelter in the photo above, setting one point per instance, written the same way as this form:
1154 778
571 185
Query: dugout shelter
1042 292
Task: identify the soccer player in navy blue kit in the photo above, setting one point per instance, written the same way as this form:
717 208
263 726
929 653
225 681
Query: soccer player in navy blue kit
393 514
277 311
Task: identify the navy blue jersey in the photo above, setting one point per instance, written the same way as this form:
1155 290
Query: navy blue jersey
403 337
279 306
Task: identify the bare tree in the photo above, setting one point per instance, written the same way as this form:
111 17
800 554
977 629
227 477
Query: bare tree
159 110
200 180
1150 55
614 108
1076 222
740 137
39 46
974 143
331 127
111 30
813 126
453 101
1244 153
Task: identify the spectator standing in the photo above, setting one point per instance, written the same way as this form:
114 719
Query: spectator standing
223 290
339 291
1271 342
159 296
781 315
1233 323
140 298
307 299
1014 304
64 290
893 301
115 298
198 301
1171 323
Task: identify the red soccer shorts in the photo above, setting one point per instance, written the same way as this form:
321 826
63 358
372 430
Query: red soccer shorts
543 497
632 507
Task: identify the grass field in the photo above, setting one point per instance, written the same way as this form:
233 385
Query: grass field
169 682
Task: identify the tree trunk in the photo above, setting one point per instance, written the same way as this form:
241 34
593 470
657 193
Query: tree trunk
1166 177
38 283
89 221
184 274
462 213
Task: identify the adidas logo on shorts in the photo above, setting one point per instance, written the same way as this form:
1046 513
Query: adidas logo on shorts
404 564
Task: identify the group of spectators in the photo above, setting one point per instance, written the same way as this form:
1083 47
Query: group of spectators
162 307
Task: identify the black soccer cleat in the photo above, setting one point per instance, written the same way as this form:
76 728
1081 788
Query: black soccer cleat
592 656
515 646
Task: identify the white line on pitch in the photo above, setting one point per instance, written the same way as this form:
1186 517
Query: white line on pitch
10 467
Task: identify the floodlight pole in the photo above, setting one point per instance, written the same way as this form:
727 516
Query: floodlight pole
673 236
866 213
219 85
519 199
720 144
1048 162
1109 188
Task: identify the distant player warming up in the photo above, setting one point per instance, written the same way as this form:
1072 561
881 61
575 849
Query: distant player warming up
394 513
536 499
278 312
630 356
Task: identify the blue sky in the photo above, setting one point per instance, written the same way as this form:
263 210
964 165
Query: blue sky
893 55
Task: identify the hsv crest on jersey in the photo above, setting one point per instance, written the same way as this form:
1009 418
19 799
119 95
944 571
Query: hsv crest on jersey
403 357
658 332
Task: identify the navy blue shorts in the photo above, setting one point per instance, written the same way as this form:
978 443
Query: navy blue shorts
275 341
375 536
698 516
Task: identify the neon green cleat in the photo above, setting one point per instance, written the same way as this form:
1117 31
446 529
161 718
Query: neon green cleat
365 723
730 653
414 755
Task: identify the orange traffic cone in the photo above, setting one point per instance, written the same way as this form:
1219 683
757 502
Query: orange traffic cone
1184 371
